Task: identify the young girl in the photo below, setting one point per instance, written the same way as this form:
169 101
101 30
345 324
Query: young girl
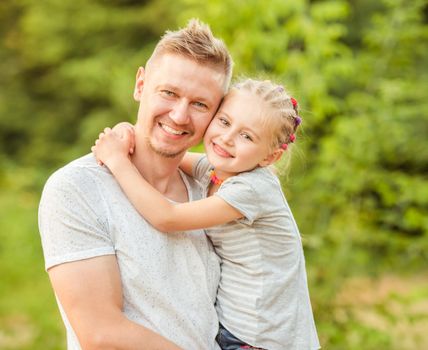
263 299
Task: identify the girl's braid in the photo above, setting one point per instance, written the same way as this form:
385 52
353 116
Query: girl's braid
282 114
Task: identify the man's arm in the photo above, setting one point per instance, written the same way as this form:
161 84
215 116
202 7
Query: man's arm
90 292
79 256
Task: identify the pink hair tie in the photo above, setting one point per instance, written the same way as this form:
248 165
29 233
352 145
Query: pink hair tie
284 146
293 101
292 138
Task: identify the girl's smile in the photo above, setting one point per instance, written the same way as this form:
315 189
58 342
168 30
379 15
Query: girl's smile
221 151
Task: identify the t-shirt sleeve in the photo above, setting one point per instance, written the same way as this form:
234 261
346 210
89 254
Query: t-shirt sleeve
241 194
200 168
72 219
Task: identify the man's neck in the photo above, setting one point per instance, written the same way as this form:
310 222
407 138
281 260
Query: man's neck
161 172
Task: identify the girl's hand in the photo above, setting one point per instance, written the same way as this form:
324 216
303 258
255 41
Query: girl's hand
123 129
111 148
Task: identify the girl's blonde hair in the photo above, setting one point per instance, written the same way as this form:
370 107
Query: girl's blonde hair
281 113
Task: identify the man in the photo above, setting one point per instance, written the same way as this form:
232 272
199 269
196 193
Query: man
121 284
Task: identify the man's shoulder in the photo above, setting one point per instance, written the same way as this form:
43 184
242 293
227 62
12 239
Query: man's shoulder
78 172
75 170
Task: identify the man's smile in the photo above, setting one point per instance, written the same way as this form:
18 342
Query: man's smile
168 129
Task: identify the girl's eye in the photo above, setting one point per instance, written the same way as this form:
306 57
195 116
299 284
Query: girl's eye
247 137
224 121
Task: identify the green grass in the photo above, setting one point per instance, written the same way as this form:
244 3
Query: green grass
29 318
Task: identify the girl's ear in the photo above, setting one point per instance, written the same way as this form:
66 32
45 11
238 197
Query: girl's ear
272 158
139 84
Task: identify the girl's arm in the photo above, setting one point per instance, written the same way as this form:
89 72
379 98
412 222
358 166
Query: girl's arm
151 204
124 130
188 162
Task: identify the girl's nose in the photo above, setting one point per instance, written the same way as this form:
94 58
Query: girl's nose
227 136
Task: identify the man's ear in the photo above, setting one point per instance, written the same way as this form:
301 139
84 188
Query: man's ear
139 84
272 158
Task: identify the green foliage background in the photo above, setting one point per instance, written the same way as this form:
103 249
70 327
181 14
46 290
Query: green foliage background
358 183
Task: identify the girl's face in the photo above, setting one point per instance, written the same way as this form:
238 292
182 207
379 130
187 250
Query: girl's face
237 139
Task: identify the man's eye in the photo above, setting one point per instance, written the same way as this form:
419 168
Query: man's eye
168 93
200 105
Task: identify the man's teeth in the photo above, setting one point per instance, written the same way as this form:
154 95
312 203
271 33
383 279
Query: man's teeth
171 130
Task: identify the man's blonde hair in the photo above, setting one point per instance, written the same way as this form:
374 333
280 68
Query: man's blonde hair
197 42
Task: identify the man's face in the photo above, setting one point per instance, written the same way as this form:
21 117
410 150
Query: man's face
178 98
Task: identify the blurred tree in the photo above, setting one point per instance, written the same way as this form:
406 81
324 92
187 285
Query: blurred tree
371 168
67 71
358 183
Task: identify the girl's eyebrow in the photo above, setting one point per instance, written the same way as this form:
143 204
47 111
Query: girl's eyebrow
253 133
224 113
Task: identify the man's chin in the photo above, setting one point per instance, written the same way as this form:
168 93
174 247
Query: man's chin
166 152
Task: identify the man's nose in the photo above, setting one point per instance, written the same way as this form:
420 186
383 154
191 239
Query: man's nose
180 112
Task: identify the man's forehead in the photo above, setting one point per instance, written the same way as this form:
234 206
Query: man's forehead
173 68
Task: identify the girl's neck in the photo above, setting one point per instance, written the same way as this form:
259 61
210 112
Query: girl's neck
216 179
218 176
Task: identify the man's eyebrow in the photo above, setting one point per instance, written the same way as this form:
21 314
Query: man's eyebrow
202 99
168 87
175 88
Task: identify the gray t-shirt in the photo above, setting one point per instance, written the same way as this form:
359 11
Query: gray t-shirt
169 281
263 296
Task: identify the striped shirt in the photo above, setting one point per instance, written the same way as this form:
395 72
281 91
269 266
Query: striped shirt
263 296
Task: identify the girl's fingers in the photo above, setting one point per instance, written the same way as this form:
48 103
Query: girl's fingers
107 130
129 136
99 162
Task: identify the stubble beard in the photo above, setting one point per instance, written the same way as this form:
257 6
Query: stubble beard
162 152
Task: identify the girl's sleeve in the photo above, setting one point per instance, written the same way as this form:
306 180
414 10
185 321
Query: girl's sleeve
201 168
240 193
